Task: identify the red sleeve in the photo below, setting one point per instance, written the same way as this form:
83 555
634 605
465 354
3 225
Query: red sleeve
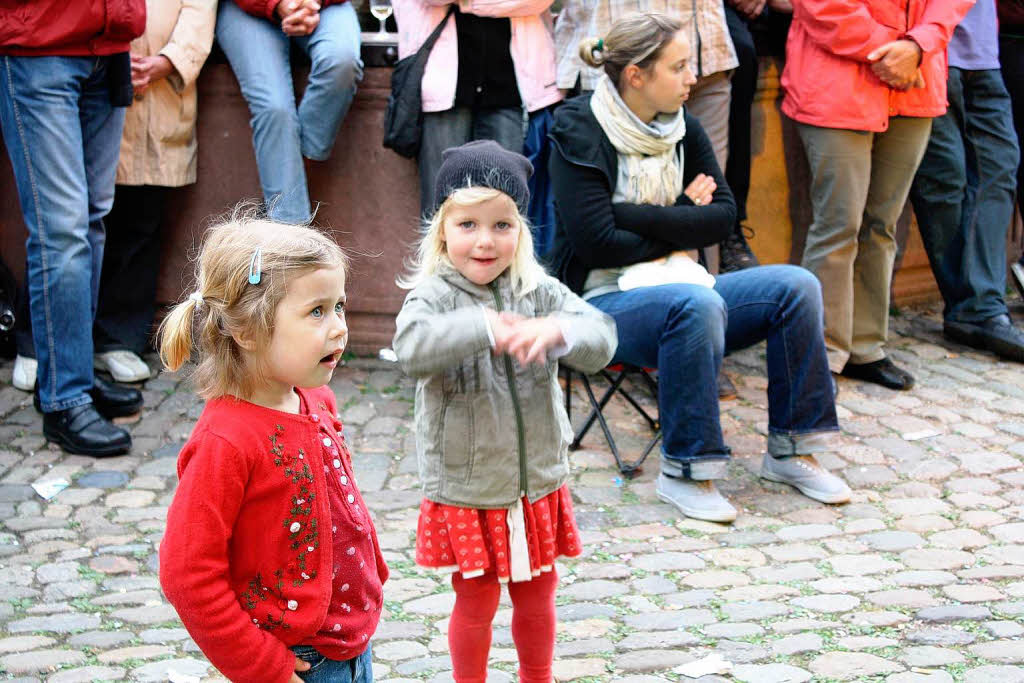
259 8
843 27
194 565
933 31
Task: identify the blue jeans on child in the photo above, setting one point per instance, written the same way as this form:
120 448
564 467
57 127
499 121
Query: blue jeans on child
259 55
63 137
323 670
684 331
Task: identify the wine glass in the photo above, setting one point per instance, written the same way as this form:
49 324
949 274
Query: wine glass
382 10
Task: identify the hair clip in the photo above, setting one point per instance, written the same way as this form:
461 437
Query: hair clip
600 45
196 297
256 266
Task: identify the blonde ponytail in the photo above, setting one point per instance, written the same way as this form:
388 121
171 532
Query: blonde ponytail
592 51
176 335
636 38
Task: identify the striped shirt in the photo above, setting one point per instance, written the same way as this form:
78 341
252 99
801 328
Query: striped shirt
703 22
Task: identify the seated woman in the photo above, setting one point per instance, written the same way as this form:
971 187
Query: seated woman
257 36
635 180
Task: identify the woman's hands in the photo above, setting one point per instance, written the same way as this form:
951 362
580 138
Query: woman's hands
300 665
528 340
148 70
701 189
896 64
298 17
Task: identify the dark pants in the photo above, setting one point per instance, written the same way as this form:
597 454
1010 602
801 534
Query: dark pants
124 316
963 195
744 85
1011 57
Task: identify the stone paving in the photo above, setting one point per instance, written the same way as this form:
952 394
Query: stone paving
919 578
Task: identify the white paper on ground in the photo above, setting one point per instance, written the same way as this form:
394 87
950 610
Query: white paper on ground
922 434
49 488
712 664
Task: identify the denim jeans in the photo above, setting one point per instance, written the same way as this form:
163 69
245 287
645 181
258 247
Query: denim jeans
259 55
458 126
63 137
684 331
963 195
323 670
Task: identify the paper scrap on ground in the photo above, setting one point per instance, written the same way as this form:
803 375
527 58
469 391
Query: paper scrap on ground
712 664
175 676
922 434
50 488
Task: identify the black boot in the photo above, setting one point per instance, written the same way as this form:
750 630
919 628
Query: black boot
83 430
734 253
111 400
998 334
880 372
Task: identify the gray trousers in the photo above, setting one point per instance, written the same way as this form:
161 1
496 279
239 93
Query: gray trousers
859 185
709 101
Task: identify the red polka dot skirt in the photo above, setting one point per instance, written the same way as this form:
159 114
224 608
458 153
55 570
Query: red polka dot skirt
472 541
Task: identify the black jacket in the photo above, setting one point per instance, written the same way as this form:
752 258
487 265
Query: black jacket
592 232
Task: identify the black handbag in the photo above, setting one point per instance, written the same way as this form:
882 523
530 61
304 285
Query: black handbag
403 118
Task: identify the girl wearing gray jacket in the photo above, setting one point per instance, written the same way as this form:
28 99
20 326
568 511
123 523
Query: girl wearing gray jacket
483 331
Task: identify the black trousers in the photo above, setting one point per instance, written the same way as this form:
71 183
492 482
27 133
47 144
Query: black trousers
131 259
744 86
1011 58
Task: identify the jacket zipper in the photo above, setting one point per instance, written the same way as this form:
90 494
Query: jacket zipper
510 375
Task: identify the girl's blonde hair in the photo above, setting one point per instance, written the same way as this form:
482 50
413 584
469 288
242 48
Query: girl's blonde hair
634 39
431 253
226 307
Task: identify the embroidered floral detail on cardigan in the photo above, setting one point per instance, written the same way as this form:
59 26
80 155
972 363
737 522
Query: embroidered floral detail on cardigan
257 593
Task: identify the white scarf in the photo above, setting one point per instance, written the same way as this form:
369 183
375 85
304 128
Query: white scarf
655 171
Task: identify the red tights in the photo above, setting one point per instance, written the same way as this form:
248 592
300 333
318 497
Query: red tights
533 626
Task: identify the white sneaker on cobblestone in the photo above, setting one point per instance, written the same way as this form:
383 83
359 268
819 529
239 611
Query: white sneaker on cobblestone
123 366
24 374
805 474
697 499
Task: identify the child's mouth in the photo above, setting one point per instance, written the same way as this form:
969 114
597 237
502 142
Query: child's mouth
331 359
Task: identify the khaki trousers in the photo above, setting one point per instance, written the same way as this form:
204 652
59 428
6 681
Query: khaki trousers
859 184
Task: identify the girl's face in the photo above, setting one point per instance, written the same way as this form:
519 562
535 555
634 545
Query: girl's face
665 85
310 333
481 239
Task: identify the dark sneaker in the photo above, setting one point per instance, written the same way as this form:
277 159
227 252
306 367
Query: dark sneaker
880 372
726 389
734 253
997 334
83 430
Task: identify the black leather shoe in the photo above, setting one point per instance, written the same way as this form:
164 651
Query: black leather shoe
111 400
83 430
880 372
734 253
997 334
726 389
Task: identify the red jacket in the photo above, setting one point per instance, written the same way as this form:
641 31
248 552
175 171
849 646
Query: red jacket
828 80
246 558
69 27
265 8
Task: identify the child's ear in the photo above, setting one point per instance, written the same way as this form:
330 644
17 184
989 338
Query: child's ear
245 342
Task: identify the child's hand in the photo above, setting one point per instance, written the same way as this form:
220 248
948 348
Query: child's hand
300 665
502 326
532 338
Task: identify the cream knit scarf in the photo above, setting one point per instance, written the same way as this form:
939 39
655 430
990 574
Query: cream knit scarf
655 171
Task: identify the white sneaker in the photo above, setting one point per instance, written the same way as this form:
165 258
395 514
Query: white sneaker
697 499
24 376
805 474
123 366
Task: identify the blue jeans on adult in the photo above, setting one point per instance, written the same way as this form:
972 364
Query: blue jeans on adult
684 330
63 137
259 55
322 670
963 195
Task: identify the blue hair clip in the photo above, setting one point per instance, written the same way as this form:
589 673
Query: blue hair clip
256 266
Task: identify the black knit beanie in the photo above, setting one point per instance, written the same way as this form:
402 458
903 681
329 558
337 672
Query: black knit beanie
483 163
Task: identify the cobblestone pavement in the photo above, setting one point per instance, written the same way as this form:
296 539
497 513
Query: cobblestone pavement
919 578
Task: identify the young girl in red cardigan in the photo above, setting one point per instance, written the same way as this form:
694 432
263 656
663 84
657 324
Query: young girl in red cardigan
270 556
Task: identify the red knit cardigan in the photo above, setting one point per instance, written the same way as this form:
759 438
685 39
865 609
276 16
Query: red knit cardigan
246 559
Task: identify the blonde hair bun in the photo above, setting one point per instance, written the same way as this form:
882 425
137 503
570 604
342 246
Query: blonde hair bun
592 51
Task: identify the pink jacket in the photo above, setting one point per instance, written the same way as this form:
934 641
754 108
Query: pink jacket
827 79
532 47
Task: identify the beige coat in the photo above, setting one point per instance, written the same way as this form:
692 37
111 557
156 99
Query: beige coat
159 142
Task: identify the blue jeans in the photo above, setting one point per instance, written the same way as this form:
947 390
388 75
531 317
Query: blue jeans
460 125
963 195
356 670
685 330
63 137
259 55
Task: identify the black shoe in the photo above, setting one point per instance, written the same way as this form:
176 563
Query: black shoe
111 400
880 372
726 389
734 253
997 334
83 430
